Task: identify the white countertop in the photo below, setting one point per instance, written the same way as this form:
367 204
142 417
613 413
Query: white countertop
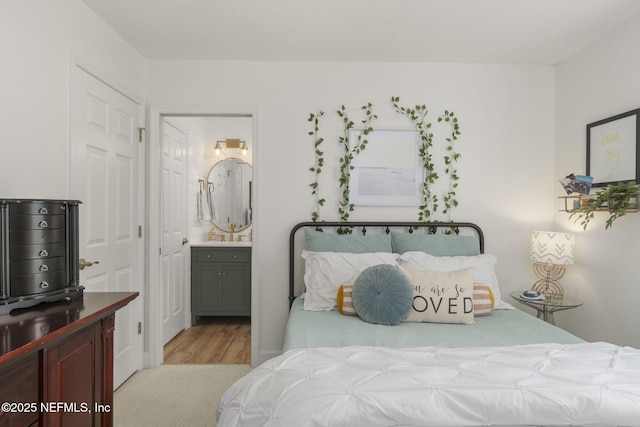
219 244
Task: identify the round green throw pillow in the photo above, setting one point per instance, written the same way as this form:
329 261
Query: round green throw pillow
382 294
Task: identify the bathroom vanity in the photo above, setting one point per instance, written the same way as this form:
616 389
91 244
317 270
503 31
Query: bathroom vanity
220 279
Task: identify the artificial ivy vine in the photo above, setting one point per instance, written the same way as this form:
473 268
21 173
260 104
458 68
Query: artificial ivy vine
318 164
418 117
346 161
450 200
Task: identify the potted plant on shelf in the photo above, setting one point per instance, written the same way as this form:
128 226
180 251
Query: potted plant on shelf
618 199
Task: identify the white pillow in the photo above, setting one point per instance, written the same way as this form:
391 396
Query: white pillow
484 265
441 296
324 272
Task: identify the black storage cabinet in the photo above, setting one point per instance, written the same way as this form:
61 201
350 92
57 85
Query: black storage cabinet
39 252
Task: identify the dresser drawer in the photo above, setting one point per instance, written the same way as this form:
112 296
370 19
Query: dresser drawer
38 283
222 254
35 237
45 250
34 208
36 266
36 222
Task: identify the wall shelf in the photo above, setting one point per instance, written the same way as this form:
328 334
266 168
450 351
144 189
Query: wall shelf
573 202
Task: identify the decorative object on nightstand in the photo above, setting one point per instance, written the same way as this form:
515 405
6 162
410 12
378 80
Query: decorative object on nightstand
551 252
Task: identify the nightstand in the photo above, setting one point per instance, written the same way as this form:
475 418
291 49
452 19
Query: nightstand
548 306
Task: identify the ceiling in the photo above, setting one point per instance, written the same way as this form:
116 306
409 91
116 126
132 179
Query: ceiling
484 31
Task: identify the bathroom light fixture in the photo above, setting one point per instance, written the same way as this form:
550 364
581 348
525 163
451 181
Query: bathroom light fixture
231 143
551 253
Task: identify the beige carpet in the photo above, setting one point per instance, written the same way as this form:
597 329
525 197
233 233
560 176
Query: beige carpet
174 395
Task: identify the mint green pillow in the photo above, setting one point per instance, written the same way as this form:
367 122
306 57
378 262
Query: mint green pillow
382 294
317 241
436 244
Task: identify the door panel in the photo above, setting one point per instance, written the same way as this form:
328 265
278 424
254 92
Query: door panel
104 176
174 181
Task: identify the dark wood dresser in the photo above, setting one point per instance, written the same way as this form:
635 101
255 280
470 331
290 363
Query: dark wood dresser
56 362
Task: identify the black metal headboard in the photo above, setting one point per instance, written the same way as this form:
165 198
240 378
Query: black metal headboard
362 227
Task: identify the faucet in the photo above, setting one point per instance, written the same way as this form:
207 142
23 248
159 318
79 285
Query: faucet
232 228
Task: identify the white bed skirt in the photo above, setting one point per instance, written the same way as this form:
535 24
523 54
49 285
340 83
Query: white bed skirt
587 384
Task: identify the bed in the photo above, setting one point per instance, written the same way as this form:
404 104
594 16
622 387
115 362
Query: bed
360 357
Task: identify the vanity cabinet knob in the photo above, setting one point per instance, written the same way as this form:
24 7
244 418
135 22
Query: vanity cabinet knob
43 211
44 252
44 285
43 224
44 267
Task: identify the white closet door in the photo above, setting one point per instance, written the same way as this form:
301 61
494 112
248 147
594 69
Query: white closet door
105 177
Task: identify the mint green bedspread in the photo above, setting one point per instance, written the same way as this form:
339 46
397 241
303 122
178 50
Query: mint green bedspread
501 328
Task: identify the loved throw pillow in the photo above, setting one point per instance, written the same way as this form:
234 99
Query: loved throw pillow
441 296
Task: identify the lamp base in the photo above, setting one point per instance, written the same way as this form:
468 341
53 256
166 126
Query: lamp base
549 275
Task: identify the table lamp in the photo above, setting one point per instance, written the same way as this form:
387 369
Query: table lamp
551 252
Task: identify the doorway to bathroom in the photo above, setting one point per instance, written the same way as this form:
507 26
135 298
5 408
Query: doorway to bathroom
187 219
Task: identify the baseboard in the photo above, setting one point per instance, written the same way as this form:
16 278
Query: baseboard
266 355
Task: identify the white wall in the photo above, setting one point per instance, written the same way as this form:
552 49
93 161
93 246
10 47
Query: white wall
600 82
37 38
506 115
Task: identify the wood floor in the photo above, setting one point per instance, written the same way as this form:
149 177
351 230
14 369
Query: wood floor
223 340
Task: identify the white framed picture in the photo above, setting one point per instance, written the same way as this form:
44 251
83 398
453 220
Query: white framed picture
388 172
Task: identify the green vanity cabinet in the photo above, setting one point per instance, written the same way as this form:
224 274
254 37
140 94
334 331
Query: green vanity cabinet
220 281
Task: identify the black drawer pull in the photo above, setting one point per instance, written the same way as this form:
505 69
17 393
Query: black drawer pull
44 252
44 285
43 224
43 211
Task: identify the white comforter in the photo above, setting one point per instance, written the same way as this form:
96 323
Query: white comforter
590 384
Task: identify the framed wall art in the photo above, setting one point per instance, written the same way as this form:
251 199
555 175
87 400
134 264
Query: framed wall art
389 171
613 149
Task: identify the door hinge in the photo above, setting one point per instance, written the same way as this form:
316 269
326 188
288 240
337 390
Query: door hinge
140 134
139 231
139 328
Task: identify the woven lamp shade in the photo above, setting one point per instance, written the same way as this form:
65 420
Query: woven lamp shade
552 248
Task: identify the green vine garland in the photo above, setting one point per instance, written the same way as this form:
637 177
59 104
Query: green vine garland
318 164
418 117
450 200
344 207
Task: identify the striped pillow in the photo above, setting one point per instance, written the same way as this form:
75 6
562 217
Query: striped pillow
344 300
483 300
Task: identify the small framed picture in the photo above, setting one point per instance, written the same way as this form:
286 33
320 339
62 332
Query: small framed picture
389 171
613 149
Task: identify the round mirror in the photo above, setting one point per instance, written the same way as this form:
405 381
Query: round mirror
230 189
